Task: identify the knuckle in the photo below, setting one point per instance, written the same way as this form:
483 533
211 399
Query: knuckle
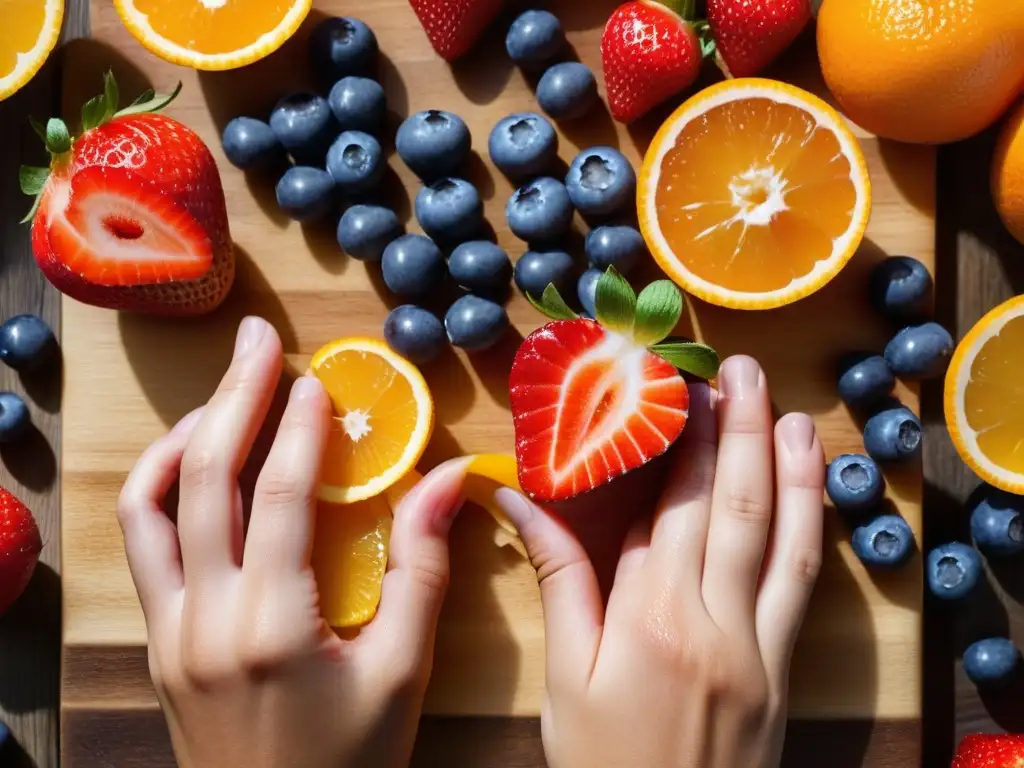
745 504
199 467
127 508
806 566
283 490
431 572
203 670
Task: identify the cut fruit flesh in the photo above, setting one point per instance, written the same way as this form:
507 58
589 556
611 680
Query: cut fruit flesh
984 397
31 30
115 238
754 194
383 418
212 34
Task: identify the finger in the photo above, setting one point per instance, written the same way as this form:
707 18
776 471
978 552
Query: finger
150 538
794 552
635 548
280 536
569 591
741 504
418 569
209 516
684 511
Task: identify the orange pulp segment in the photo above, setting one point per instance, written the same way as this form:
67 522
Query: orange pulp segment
754 194
31 30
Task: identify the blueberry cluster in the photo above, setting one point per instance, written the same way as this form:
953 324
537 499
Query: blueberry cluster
567 90
26 344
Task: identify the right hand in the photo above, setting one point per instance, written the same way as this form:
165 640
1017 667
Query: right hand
688 664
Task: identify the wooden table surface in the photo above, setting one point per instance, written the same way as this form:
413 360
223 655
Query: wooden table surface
979 265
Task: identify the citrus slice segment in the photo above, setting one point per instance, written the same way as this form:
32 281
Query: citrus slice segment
984 397
754 194
31 30
212 34
383 417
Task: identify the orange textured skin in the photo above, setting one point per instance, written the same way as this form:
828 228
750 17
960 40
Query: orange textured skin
923 71
1008 174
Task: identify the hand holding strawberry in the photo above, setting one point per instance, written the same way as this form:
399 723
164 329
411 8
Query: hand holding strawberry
20 545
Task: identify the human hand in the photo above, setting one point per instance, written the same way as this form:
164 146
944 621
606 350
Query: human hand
688 664
246 670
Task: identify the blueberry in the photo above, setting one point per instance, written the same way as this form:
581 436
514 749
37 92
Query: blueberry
523 145
567 91
251 144
412 266
450 211
5 734
540 212
600 181
536 269
366 230
997 525
475 324
356 162
991 662
358 104
534 39
26 342
864 380
620 247
920 351
953 570
339 47
415 333
893 434
480 266
901 288
433 144
884 542
14 418
306 194
854 483
586 290
303 123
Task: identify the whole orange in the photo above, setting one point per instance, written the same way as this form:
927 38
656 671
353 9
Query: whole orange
923 71
1008 173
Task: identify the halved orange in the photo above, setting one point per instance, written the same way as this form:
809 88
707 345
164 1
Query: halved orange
31 30
384 416
212 34
984 397
754 194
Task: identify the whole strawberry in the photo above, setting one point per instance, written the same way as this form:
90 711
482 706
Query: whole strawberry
131 214
650 53
592 401
454 26
19 548
989 750
749 34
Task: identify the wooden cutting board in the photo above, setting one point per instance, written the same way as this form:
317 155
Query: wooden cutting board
856 679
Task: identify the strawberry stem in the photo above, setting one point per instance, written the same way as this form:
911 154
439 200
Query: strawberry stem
686 9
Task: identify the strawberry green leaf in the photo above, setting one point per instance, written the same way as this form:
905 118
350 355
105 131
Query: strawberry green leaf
552 304
94 112
146 95
615 303
154 104
110 94
58 139
32 180
700 360
658 309
38 127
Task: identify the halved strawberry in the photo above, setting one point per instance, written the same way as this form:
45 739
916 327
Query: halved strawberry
591 400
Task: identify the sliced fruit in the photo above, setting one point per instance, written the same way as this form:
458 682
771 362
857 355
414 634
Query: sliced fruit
31 30
984 397
384 416
754 194
212 34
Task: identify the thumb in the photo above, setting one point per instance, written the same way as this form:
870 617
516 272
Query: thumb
573 609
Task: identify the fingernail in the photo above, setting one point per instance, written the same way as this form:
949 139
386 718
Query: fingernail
305 388
188 421
250 333
796 431
516 507
740 376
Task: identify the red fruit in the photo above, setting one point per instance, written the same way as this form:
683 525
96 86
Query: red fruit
132 216
749 34
590 405
19 548
990 751
650 54
454 26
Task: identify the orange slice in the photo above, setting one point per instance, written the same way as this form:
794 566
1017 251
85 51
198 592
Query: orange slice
984 397
384 415
212 34
754 194
31 30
